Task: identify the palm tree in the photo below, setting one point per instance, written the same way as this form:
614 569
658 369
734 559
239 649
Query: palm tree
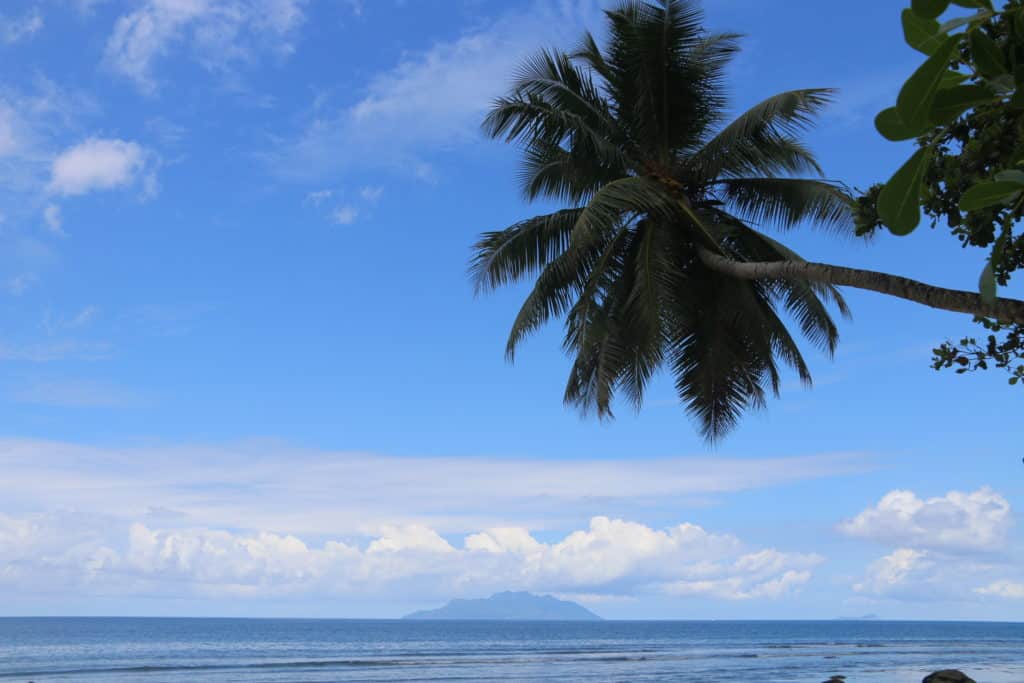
631 137
659 260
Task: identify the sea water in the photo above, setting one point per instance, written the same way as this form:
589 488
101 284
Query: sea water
108 650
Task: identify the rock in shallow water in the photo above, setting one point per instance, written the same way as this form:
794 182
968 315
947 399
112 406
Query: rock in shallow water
948 676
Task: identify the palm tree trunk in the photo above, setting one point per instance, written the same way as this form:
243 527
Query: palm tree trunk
1004 310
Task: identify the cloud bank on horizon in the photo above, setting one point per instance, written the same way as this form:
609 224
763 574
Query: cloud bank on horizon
264 522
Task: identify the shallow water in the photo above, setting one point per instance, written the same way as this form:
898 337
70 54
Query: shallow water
108 650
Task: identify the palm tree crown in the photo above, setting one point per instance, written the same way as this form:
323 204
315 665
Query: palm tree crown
632 138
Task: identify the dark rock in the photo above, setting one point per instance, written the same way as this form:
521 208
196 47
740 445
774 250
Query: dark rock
836 679
948 676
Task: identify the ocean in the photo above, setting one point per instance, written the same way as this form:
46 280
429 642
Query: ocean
123 650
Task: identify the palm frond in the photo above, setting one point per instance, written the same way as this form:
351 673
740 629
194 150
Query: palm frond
763 140
556 292
506 256
788 202
629 196
807 302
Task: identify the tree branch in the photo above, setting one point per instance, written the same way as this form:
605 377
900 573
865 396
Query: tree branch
1004 310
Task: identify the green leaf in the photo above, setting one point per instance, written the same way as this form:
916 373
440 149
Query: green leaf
920 33
1017 100
891 126
951 78
952 102
914 102
1018 75
898 202
961 21
987 284
1018 24
929 9
1003 83
1011 175
987 55
974 4
988 193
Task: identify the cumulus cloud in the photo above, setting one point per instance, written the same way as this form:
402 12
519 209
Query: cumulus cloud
610 558
894 571
767 573
955 522
1003 589
99 164
218 32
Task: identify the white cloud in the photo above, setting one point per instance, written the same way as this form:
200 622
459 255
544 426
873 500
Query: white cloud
218 32
100 164
55 323
52 351
260 519
31 121
956 521
430 100
345 215
20 283
275 488
53 220
8 142
371 194
74 393
764 574
611 558
1003 589
909 574
318 197
26 26
83 317
894 571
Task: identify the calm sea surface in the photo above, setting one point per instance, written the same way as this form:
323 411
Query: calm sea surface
105 650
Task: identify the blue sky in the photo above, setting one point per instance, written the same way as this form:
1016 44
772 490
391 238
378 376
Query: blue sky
244 371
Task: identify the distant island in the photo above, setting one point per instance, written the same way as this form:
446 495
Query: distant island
866 617
510 606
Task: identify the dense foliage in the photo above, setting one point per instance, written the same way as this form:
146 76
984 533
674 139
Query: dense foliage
965 107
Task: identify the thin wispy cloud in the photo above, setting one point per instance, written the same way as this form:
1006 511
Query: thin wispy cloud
23 27
430 100
345 215
75 393
219 34
272 487
53 220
